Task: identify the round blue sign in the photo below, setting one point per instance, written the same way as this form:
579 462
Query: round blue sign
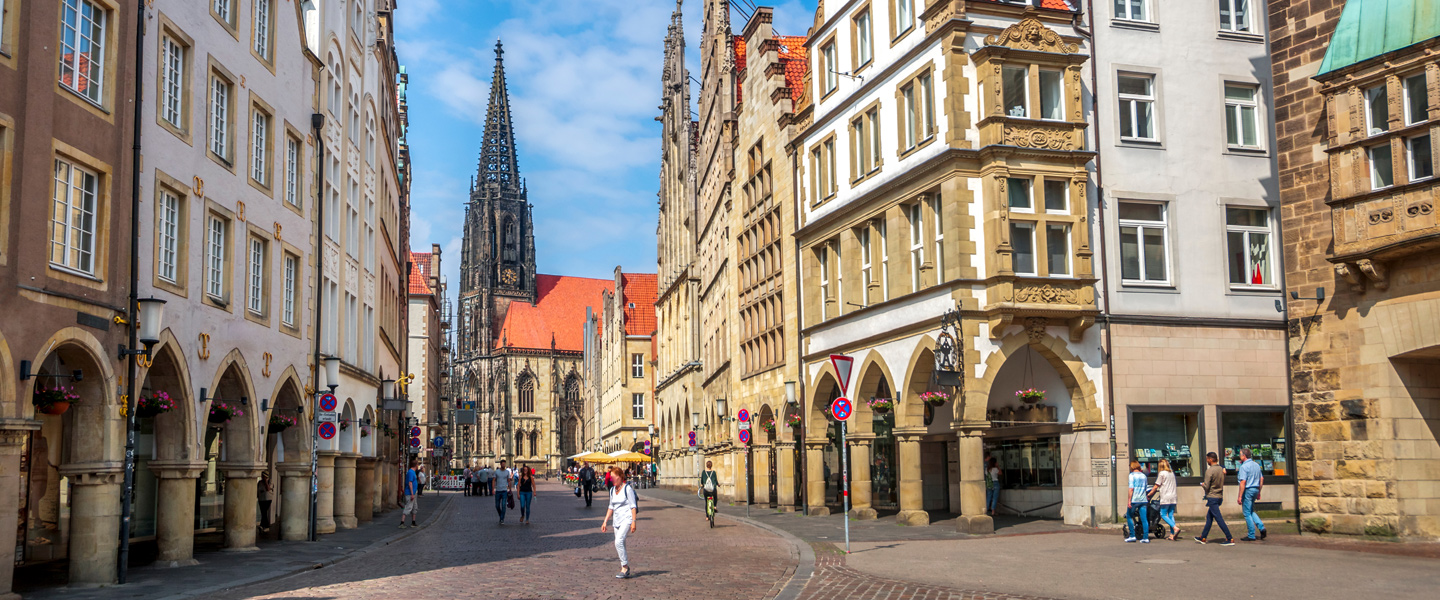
841 408
744 416
414 442
439 441
414 432
744 436
328 402
327 431
692 438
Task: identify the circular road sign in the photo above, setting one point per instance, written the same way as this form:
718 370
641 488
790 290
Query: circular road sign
744 416
414 442
841 409
439 441
744 436
414 432
328 402
327 431
692 438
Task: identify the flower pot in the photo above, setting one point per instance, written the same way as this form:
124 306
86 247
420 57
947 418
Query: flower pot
146 412
881 410
276 429
219 418
54 408
1031 399
936 402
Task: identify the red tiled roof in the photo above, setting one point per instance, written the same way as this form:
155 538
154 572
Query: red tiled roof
1050 4
558 313
739 66
795 63
419 276
641 290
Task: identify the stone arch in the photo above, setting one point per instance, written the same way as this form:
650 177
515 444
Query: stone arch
909 410
366 432
92 430
766 414
1054 350
345 439
175 431
290 400
823 389
232 384
866 382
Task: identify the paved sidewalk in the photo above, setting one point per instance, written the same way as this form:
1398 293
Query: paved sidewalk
220 570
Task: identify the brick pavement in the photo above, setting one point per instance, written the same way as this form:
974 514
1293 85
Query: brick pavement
467 554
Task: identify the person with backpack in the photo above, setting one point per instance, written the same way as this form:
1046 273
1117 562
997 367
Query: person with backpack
1139 504
992 486
587 482
1169 497
709 487
1214 488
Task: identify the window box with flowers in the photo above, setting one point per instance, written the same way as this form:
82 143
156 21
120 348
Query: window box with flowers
54 401
221 412
793 421
279 423
936 398
881 405
155 404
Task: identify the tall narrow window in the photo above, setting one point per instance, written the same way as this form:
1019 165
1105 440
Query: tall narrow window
1242 116
220 117
927 107
172 81
1132 10
1057 249
1382 173
370 140
1377 110
369 249
1235 16
527 395
637 406
917 244
830 175
291 275
1018 194
1052 95
1017 93
907 95
864 44
817 191
904 16
215 234
262 28
72 231
259 148
1418 157
292 171
827 60
637 365
332 210
935 209
167 237
823 257
1022 246
866 274
1056 192
859 148
874 123
352 327
1247 234
222 8
1144 243
336 95
1417 99
884 260
82 48
256 295
839 265
1137 107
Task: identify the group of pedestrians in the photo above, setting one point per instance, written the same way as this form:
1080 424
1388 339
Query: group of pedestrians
1248 476
481 481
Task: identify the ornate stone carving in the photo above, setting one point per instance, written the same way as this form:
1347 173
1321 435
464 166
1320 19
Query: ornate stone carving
1035 326
1351 276
1031 34
1029 136
1047 294
1384 215
1420 209
1375 272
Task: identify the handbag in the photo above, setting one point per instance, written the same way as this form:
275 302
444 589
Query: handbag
577 491
510 501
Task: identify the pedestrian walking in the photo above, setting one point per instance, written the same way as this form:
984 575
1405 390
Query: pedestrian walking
526 487
1139 503
265 491
623 506
1169 497
466 474
992 486
472 482
587 482
422 479
486 476
410 491
1214 488
1250 478
503 479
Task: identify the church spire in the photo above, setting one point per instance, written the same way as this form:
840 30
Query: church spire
497 150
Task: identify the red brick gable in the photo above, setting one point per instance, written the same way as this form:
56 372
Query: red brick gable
420 274
558 314
641 290
792 55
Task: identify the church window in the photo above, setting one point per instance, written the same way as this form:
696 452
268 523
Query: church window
509 248
527 395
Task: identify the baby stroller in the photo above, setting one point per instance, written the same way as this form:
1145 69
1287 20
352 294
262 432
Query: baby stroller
1152 515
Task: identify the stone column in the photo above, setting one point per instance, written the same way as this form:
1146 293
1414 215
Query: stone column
241 505
785 476
740 473
912 500
94 521
390 472
175 515
13 435
345 491
365 489
860 496
294 501
762 473
815 478
325 492
972 485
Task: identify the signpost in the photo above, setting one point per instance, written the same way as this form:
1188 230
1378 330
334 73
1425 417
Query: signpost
841 409
327 430
745 436
692 439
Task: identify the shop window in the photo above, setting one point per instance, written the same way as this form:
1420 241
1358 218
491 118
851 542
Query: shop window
1262 432
1172 436
1028 463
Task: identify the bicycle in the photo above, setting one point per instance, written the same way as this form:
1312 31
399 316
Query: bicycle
710 509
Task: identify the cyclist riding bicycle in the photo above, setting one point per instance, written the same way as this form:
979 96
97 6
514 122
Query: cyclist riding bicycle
709 489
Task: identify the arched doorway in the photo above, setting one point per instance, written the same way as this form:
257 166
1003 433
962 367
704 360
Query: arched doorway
1030 411
226 500
823 451
767 435
167 457
289 445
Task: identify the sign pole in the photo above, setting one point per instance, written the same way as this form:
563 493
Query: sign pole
845 477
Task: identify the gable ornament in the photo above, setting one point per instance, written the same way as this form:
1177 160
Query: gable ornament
1031 34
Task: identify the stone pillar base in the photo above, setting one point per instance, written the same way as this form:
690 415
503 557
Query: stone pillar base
365 490
863 514
241 481
94 522
785 508
975 524
345 492
913 518
819 511
175 515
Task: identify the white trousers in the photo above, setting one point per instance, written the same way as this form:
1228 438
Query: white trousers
622 530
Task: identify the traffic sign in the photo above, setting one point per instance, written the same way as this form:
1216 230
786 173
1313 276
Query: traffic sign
647 447
327 431
841 408
692 438
744 436
843 365
745 425
328 402
414 442
744 416
414 432
439 441
327 417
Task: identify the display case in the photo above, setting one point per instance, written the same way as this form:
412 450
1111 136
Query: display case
1265 432
1174 434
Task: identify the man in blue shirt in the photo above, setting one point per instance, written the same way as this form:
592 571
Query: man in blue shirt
1139 504
1250 478
412 486
504 477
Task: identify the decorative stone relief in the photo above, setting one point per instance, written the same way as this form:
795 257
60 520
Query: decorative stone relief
1047 294
1031 34
1375 272
1035 326
1351 276
1029 136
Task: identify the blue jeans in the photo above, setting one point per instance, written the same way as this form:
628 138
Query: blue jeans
992 498
500 497
1252 520
1139 510
1212 516
1167 512
525 498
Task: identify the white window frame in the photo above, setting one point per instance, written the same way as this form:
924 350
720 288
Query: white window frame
167 237
1377 97
827 58
866 273
865 40
352 328
262 28
1235 110
1134 102
1233 26
74 22
1410 164
1069 257
1058 78
637 364
222 8
637 406
917 243
292 171
935 208
1269 231
1028 226
912 117
904 16
337 95
884 261
172 85
1029 185
1125 10
1409 97
74 217
216 233
839 277
1141 226
370 139
823 257
832 182
332 212
255 299
1375 163
927 106
291 270
367 249
1064 196
221 92
1005 72
259 147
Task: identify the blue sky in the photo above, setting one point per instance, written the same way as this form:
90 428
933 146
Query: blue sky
584 80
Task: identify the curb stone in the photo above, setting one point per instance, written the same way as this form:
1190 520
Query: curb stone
804 568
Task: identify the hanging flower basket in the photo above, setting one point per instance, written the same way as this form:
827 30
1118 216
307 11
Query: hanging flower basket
1030 396
279 423
936 398
221 412
344 425
54 401
793 421
881 405
157 403
768 425
364 432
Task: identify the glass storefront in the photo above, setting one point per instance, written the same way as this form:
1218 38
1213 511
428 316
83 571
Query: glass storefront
142 520
1260 431
884 493
210 487
1173 436
1027 463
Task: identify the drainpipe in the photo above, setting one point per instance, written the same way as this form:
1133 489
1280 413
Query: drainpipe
317 123
128 492
1104 255
804 491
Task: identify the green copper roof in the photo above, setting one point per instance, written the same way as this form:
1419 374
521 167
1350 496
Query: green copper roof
1370 28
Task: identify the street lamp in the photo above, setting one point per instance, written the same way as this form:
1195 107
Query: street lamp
332 372
720 409
790 394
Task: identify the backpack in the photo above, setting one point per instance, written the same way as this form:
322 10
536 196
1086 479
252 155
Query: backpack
707 481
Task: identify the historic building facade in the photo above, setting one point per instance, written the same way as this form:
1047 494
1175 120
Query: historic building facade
624 368
1357 109
426 351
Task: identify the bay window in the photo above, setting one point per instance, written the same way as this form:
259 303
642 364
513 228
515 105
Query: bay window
1022 246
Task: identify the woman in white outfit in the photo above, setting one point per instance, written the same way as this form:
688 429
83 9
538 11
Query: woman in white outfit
622 512
1165 486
